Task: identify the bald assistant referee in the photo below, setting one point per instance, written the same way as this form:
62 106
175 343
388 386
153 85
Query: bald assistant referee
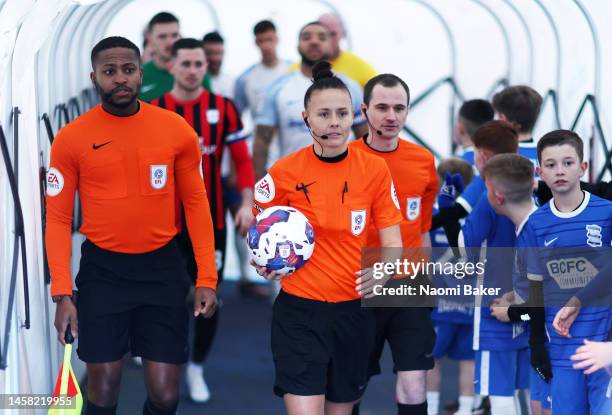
127 160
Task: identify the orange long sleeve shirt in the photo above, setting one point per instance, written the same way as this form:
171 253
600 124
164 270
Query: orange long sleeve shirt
416 181
341 200
127 171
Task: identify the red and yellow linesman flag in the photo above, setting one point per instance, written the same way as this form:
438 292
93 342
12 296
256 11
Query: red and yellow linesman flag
69 400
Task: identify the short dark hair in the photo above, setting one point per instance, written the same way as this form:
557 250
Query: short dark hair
474 113
514 175
212 37
387 80
498 137
161 17
110 43
323 78
313 23
520 104
263 26
185 43
558 138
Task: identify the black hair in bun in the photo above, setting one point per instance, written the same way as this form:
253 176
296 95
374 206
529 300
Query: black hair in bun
323 78
321 70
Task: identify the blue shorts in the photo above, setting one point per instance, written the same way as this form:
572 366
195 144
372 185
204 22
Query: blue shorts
573 392
540 390
501 373
453 340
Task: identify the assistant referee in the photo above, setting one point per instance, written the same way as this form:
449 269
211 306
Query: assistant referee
128 159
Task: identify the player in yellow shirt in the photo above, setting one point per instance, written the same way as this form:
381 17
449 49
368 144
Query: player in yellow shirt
343 61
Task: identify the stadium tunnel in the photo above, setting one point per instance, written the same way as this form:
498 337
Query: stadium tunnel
446 50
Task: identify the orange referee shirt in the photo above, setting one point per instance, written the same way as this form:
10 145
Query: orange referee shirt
414 174
340 199
126 170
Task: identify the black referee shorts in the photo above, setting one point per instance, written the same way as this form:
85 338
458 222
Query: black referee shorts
132 302
321 348
411 336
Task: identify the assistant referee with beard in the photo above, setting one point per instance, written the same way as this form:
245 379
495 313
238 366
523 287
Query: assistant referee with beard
127 159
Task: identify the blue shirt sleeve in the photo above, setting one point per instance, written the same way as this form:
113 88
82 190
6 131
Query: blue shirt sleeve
535 271
479 224
471 195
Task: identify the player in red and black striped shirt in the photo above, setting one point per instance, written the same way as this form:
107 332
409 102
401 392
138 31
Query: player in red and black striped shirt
218 126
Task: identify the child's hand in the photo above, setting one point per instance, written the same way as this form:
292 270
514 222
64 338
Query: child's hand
593 356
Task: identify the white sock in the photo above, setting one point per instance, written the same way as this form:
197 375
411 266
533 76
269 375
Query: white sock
477 401
195 366
433 403
503 405
466 403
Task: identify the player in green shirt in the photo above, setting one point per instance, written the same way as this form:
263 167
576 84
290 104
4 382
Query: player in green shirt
163 31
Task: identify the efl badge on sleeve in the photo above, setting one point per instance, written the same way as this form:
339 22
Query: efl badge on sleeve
159 176
358 221
413 207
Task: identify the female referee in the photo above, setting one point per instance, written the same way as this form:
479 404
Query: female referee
321 336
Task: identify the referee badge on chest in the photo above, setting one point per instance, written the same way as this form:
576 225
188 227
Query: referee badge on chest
358 221
212 116
159 175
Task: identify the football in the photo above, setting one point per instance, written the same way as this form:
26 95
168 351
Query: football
281 239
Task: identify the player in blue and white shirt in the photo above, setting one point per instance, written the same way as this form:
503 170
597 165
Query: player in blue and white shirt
252 84
502 359
574 234
284 102
509 180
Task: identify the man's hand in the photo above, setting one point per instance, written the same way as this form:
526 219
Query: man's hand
593 356
540 361
263 271
499 309
204 302
244 217
366 282
451 189
66 313
566 316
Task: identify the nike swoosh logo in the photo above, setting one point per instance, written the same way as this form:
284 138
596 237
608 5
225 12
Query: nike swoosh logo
303 186
546 243
146 88
95 147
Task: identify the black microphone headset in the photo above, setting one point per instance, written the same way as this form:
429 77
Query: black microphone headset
314 136
323 136
365 113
